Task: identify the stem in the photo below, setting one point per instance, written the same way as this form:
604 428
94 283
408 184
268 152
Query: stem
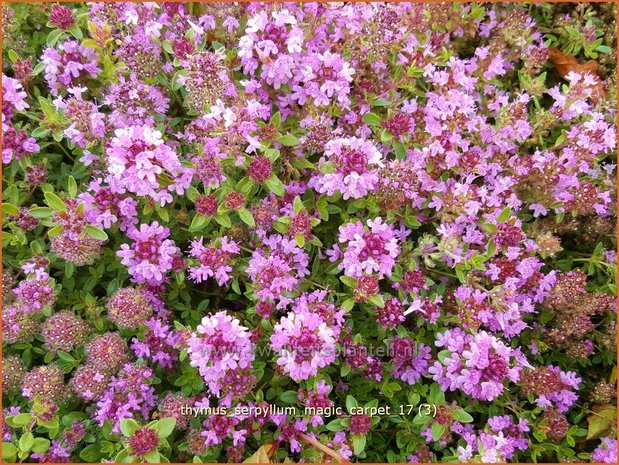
64 150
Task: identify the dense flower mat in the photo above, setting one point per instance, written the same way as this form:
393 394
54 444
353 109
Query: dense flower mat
309 232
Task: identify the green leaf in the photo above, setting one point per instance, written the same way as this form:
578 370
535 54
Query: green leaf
335 425
165 427
167 47
13 56
379 102
276 119
153 457
223 219
9 209
377 300
442 355
437 431
22 419
26 441
351 403
358 443
400 150
288 140
300 240
371 119
247 217
462 416
298 205
54 36
55 231
347 280
289 397
40 445
54 202
128 426
505 214
198 223
91 453
95 232
275 185
41 212
9 451
72 186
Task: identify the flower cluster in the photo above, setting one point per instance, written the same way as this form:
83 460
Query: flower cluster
212 261
238 231
138 161
479 364
371 250
127 395
221 350
151 255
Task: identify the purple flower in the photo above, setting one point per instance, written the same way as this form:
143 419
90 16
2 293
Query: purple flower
368 250
321 77
151 255
158 344
477 364
135 103
35 293
221 349
410 360
278 268
138 160
16 144
68 63
126 396
212 261
304 343
606 452
104 208
348 166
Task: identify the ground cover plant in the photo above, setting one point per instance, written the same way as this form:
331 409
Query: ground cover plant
308 232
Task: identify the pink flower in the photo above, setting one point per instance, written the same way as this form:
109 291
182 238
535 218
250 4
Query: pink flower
212 261
305 343
477 364
67 63
222 351
348 166
151 255
368 251
278 268
138 161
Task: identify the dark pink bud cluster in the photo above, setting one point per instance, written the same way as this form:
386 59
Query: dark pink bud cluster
391 314
129 307
260 168
17 325
46 381
36 175
64 331
13 371
143 441
366 287
61 17
235 201
108 352
360 424
206 205
88 382
24 220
